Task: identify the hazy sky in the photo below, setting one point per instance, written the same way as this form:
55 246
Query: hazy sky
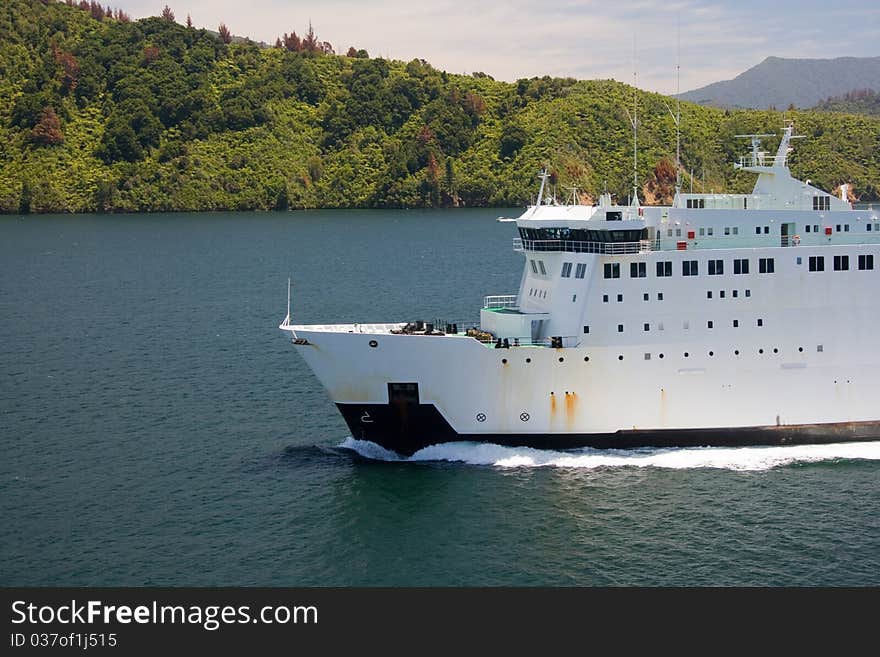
510 39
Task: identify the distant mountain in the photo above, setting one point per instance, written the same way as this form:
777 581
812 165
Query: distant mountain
779 83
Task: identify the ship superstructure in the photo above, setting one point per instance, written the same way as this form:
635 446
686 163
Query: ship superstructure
723 319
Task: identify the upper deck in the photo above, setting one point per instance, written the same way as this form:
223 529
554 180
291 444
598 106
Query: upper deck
780 212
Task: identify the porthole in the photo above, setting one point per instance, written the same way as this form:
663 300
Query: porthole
711 353
620 357
775 350
801 349
504 361
760 351
661 355
736 352
561 359
528 360
374 344
586 359
686 354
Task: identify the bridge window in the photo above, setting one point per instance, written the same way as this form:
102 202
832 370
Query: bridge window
612 270
580 271
821 203
741 266
817 263
841 263
664 268
541 267
637 270
689 268
716 267
766 265
534 267
866 262
566 270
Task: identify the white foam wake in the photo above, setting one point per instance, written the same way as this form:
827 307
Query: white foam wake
729 458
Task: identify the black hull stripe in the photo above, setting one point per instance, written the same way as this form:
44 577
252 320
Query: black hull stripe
407 428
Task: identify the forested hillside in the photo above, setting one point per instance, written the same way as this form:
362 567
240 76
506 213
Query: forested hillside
101 113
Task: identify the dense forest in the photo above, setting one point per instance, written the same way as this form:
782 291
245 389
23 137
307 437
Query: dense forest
102 113
860 101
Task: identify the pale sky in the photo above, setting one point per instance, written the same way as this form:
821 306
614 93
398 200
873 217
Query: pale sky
585 39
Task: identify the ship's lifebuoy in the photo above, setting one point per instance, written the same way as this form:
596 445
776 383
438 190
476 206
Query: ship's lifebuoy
796 239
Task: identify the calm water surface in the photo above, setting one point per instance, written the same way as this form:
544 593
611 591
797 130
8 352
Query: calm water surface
157 428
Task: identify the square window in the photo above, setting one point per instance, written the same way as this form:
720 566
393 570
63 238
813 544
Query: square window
709 294
703 231
586 329
646 296
721 294
574 298
710 231
735 294
620 328
659 296
766 230
820 348
748 293
760 322
710 324
799 260
736 323
686 325
757 230
647 327
619 298
727 230
647 356
604 298
736 228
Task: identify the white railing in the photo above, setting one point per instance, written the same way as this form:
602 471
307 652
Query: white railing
499 301
603 248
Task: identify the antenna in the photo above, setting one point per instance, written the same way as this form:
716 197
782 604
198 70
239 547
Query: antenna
757 153
634 121
287 319
574 197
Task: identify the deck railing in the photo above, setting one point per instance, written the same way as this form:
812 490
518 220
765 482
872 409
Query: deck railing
499 301
604 248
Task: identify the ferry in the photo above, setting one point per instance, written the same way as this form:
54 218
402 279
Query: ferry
722 319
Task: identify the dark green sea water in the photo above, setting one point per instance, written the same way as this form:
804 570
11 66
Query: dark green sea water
158 429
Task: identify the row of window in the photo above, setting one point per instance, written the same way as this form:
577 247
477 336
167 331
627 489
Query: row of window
841 263
688 268
692 267
736 352
686 325
647 297
709 231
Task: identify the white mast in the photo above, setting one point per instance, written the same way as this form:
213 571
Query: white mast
543 176
287 319
634 120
